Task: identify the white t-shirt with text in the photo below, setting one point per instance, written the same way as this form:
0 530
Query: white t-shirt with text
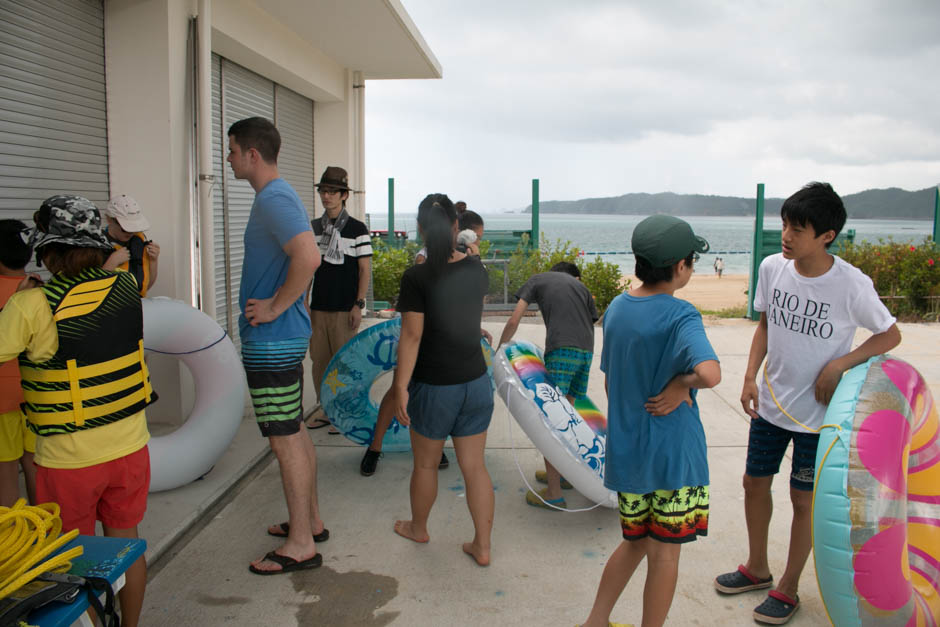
810 322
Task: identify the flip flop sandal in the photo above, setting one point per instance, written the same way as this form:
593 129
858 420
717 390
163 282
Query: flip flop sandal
323 536
532 499
287 564
776 609
319 423
741 580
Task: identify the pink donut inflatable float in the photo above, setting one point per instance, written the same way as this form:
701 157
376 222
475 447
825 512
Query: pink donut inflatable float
876 503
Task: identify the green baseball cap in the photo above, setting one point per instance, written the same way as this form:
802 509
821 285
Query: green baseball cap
663 240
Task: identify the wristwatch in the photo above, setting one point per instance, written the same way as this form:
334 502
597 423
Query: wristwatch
361 303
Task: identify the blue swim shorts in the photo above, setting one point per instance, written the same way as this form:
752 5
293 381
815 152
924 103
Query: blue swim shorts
459 410
766 446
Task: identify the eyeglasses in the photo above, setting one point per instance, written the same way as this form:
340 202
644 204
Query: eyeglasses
328 191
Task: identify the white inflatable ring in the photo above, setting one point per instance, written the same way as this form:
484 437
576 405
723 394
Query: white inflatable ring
172 327
573 439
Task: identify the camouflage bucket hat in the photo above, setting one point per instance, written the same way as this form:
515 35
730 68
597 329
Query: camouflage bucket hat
70 220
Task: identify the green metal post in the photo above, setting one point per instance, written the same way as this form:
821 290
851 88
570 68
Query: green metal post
936 218
536 236
391 213
756 253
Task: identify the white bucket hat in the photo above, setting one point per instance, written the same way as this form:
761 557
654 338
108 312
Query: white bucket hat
127 212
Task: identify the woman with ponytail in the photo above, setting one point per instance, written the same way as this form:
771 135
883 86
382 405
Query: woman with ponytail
441 387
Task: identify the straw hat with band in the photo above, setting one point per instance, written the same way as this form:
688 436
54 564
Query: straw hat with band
335 176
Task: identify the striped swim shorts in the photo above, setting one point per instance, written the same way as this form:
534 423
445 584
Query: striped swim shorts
569 369
673 516
275 374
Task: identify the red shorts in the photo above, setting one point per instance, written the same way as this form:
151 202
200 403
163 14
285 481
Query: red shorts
114 492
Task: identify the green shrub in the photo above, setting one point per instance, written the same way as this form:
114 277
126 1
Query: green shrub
904 274
388 264
602 278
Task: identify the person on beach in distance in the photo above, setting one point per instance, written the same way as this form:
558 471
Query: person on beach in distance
655 357
280 259
134 252
17 442
338 297
84 330
569 312
811 303
440 386
719 266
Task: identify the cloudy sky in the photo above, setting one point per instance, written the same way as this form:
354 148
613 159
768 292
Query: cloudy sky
601 98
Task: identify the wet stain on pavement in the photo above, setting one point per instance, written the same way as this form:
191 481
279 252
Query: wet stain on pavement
207 599
344 599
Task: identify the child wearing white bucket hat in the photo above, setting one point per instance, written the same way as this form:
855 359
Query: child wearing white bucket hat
133 253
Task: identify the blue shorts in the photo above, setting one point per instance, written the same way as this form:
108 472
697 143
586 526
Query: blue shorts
438 411
569 368
766 446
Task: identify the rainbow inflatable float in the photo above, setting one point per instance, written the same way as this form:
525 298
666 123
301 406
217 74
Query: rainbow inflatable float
573 439
876 503
344 393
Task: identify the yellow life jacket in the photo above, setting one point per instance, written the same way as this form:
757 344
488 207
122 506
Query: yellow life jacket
144 273
98 375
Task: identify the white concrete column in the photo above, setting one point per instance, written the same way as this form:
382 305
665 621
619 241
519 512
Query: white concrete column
149 118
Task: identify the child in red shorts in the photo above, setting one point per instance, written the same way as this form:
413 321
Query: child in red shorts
17 443
79 339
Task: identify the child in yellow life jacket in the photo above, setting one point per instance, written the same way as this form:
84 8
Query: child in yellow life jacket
79 339
17 442
134 252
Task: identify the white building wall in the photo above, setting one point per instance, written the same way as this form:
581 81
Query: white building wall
149 127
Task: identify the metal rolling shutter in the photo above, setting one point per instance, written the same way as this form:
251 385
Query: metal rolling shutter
295 161
219 152
53 113
238 93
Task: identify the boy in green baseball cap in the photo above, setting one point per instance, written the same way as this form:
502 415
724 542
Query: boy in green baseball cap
655 357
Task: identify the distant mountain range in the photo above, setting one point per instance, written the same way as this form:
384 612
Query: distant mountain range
873 203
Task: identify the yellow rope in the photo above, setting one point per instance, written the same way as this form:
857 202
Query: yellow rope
28 535
770 389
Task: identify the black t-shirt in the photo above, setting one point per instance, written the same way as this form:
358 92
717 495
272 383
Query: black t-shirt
452 303
335 285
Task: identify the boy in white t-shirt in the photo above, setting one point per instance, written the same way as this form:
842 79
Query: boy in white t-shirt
811 304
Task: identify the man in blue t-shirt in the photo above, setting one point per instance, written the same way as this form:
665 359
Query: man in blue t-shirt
280 259
655 357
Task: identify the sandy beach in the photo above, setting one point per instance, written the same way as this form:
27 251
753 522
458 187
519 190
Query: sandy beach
709 293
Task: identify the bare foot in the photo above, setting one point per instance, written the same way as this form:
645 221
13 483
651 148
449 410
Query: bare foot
405 528
480 556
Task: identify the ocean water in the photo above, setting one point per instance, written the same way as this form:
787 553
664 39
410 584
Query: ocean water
729 237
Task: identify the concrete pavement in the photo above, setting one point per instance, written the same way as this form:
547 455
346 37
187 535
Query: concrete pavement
546 565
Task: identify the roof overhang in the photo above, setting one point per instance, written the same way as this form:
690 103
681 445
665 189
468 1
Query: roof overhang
375 37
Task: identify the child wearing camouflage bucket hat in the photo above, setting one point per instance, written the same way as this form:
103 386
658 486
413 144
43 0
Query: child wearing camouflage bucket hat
79 339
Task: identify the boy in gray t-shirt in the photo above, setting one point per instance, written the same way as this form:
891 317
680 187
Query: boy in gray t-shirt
568 309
